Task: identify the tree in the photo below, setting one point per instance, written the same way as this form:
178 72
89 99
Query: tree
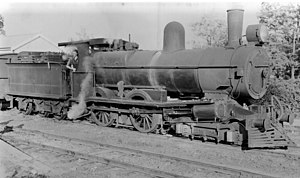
282 22
2 31
83 35
212 32
283 25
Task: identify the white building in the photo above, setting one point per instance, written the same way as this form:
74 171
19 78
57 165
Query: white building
31 42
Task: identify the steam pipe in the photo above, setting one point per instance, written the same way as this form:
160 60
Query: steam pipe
235 26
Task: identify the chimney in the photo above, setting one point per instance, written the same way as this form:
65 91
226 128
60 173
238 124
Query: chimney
174 37
235 26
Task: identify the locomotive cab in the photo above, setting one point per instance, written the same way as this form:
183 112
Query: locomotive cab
88 48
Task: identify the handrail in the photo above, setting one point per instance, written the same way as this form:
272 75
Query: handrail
167 67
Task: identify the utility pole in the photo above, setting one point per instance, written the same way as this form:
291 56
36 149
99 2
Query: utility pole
2 32
296 31
294 51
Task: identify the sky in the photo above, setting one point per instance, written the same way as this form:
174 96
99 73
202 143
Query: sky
145 22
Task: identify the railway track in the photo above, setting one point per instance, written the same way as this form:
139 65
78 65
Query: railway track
293 152
70 155
128 158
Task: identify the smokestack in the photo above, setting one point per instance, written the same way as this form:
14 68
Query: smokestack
235 26
174 37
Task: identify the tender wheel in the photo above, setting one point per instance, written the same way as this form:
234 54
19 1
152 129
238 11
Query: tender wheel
29 109
62 115
144 122
103 118
46 114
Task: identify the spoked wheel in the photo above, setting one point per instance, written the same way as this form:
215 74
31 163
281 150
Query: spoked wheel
103 118
145 122
46 114
29 109
62 116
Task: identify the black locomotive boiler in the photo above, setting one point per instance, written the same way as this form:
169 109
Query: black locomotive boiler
197 93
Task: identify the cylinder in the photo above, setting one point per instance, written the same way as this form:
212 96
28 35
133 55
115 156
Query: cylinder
235 26
205 112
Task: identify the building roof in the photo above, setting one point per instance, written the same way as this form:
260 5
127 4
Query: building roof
31 42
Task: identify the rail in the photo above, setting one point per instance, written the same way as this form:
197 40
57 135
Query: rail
106 161
236 171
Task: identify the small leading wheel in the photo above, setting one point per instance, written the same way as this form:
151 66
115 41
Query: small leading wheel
62 116
144 122
29 109
103 118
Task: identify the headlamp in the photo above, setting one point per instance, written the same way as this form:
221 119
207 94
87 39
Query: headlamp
257 33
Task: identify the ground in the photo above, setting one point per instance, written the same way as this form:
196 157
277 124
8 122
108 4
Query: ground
14 163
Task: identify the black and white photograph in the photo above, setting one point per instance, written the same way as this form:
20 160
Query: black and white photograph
143 89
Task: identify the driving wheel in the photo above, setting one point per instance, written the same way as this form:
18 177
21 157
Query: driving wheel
103 118
144 122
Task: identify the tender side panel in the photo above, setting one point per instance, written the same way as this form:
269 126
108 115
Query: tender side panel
36 79
3 77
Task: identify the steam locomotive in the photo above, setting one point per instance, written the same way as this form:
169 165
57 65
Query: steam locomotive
195 93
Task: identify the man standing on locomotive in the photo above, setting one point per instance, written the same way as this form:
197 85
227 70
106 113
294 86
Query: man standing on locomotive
73 61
